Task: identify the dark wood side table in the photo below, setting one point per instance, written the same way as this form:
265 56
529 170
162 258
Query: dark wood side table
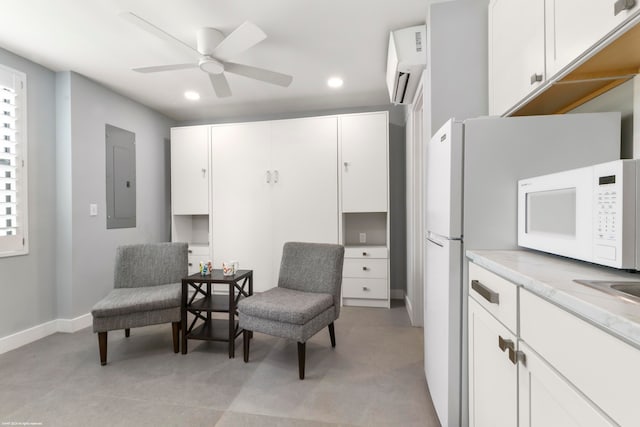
209 329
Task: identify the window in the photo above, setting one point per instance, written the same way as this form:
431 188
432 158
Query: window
13 163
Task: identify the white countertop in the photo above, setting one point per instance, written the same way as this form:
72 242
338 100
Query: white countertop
552 278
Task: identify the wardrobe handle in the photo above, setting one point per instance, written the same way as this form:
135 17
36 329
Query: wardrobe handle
268 177
536 78
276 176
621 5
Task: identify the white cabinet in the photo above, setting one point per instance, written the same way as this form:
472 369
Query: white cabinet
516 51
493 352
365 276
573 26
190 170
363 145
547 400
273 182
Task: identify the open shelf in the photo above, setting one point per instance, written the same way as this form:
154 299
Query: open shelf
214 330
372 224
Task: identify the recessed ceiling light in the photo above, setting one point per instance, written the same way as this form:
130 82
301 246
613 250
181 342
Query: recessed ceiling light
191 95
335 82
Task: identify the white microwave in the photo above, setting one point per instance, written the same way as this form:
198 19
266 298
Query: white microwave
588 213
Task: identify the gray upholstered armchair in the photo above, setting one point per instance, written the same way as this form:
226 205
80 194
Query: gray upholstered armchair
147 290
306 300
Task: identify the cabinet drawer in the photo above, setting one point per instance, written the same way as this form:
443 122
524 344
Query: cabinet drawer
198 250
497 295
598 364
365 252
374 268
364 288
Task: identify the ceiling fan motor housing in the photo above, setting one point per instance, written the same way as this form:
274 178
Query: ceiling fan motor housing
208 39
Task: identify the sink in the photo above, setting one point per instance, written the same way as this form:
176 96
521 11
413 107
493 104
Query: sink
627 290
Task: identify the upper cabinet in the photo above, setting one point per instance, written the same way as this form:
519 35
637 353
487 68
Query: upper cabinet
190 170
363 142
550 56
516 51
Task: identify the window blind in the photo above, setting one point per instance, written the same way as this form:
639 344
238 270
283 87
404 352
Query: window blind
13 177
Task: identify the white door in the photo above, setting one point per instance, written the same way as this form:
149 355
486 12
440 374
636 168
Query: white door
363 139
516 51
190 170
575 25
241 199
442 314
547 400
493 383
443 214
304 164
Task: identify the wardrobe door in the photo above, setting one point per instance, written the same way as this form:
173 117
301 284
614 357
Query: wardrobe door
241 199
304 161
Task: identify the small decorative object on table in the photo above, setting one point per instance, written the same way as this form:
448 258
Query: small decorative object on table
229 268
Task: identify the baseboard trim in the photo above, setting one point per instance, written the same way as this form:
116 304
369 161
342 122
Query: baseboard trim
409 307
397 294
27 336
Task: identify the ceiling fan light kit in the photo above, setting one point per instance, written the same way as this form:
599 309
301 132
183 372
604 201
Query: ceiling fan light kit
214 50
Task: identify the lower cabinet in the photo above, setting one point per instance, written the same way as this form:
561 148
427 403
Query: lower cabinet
493 377
548 400
365 276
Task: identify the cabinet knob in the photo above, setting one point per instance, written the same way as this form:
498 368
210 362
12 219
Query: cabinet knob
364 288
268 177
505 344
536 78
621 5
364 254
364 268
190 251
190 264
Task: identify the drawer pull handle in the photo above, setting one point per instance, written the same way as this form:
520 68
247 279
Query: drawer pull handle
364 288
486 293
364 268
505 344
364 254
190 264
536 78
621 5
517 356
190 251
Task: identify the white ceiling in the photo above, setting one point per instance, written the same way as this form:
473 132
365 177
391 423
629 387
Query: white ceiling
309 39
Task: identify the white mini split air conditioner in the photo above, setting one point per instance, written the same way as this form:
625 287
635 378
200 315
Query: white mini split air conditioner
407 58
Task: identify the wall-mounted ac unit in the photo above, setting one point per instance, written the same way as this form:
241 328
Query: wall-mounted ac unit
407 58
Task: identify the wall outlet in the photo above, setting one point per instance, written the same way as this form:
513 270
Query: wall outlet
363 237
93 209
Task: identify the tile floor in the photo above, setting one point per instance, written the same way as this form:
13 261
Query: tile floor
374 377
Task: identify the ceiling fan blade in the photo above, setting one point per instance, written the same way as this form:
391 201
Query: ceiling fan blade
220 85
147 26
259 74
241 39
160 68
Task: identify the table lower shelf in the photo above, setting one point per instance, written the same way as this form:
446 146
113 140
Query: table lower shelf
214 330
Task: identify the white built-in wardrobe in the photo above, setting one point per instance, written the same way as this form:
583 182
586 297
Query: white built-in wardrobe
241 190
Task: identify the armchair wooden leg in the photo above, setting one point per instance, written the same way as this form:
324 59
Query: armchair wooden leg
175 326
102 344
127 332
332 334
246 337
301 351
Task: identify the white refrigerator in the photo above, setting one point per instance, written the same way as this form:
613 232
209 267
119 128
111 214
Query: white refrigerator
472 169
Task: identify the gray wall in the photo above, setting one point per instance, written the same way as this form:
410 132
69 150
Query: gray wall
27 282
93 246
397 207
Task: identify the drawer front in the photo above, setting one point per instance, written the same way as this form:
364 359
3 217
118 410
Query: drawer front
497 295
373 268
366 252
364 288
199 250
598 364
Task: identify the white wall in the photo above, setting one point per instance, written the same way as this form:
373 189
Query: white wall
92 245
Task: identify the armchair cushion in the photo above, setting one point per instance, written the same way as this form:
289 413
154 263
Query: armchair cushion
122 301
286 305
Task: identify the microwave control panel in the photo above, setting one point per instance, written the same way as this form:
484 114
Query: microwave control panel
606 205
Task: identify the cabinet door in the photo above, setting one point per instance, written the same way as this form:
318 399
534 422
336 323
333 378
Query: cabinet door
573 26
547 400
241 213
190 170
493 387
364 162
516 51
304 165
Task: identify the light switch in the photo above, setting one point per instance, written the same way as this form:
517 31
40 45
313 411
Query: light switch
363 237
93 209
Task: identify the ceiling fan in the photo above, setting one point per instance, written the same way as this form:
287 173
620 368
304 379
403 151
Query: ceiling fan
214 51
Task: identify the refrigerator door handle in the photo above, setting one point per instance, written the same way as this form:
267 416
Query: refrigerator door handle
435 242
